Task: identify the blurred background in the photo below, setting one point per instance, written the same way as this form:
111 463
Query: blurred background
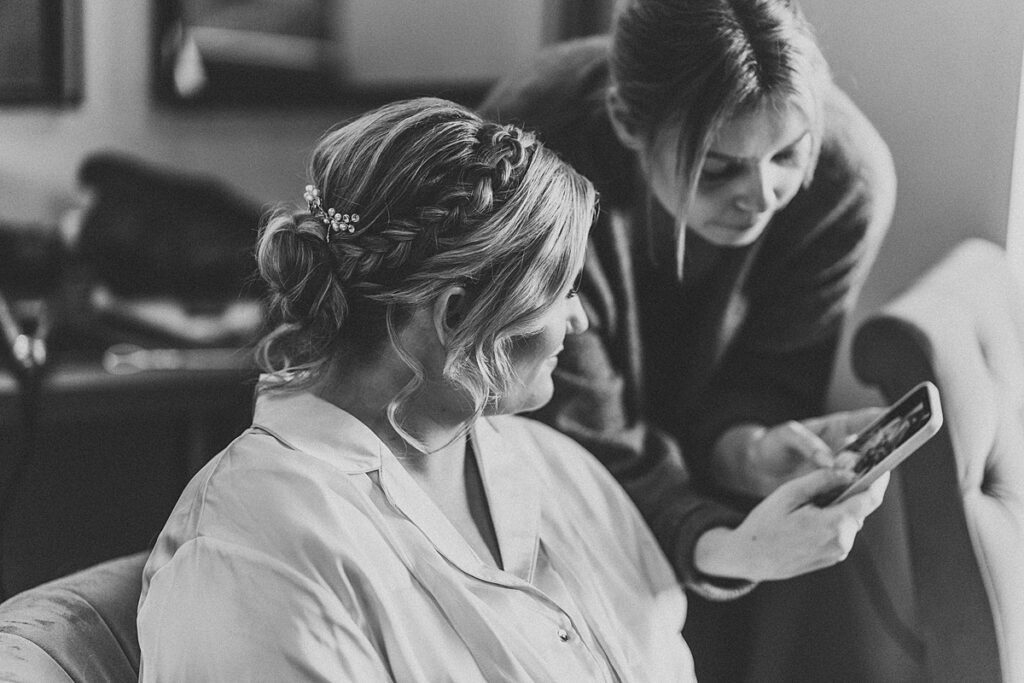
940 79
140 140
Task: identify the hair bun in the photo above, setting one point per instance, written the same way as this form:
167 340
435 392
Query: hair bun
294 261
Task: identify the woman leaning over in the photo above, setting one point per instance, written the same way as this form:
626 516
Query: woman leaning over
743 199
385 517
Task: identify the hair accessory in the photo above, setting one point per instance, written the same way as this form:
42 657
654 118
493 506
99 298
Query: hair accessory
334 221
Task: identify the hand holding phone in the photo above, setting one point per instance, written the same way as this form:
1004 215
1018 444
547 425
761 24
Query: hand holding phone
888 441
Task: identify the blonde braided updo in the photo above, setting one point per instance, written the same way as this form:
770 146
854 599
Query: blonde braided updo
443 198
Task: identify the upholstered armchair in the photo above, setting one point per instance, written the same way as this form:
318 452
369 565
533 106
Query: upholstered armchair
961 325
77 628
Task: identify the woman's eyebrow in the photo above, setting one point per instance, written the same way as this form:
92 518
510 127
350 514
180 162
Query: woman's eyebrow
719 156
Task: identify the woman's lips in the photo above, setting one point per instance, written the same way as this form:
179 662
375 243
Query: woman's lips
739 227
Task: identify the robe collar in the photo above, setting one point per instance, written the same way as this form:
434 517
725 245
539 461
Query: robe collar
318 428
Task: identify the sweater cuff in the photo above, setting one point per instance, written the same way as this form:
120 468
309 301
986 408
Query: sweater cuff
717 588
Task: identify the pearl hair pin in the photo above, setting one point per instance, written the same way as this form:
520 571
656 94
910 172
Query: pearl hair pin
333 220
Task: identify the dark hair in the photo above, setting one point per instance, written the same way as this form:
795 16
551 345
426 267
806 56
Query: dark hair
443 198
698 63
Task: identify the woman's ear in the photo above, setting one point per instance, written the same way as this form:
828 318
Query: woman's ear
449 311
625 129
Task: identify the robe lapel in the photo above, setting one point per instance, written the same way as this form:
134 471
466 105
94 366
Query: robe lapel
406 495
514 496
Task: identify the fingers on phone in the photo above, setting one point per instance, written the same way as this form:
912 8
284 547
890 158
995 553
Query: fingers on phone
814 483
822 457
845 460
864 503
878 487
859 419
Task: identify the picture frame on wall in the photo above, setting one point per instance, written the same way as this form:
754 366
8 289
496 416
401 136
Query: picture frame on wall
41 52
324 52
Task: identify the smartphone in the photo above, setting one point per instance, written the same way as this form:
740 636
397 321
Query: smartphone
887 441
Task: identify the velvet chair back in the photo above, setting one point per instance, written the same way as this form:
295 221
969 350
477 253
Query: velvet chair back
77 628
961 325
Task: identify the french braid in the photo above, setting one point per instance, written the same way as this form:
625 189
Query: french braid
397 242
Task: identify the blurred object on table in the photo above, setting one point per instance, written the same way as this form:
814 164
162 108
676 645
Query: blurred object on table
155 231
185 323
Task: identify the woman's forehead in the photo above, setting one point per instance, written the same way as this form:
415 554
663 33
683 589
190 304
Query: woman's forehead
748 133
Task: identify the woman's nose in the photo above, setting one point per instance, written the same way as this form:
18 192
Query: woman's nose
577 318
757 194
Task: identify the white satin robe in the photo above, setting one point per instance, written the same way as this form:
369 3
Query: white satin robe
305 552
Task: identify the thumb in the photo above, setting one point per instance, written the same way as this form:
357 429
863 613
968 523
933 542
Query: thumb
806 487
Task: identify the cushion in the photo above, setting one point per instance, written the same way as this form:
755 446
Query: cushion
77 628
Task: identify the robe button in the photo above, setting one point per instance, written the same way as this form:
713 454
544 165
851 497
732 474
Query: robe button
563 635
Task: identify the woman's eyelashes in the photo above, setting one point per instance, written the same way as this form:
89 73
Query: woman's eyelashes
716 170
792 156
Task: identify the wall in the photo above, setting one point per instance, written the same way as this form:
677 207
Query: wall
1015 232
261 152
940 79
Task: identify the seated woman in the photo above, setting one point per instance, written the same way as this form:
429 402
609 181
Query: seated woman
385 517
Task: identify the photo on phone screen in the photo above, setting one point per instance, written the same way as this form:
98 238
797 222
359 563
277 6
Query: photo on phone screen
887 441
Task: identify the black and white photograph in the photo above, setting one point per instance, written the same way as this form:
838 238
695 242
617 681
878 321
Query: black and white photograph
536 341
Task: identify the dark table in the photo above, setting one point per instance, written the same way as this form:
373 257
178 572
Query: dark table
109 457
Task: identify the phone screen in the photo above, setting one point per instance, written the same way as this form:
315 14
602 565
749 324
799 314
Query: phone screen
877 442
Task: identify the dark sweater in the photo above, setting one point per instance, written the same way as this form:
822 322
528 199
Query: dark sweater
751 333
